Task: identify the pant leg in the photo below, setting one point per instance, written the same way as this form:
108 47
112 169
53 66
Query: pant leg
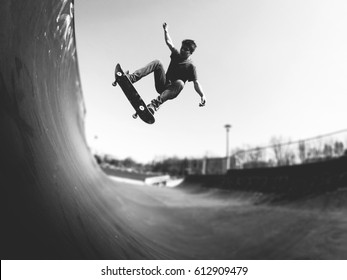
159 75
172 91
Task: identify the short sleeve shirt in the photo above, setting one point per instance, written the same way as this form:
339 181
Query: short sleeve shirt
180 68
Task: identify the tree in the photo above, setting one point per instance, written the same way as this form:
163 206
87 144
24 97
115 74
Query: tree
283 155
338 148
328 151
302 151
256 155
278 149
239 155
129 162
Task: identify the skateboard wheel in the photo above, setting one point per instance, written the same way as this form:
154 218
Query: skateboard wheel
119 74
142 108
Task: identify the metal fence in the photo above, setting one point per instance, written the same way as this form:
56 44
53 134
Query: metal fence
284 153
278 153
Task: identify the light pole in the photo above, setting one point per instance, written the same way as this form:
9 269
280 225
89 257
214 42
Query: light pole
227 127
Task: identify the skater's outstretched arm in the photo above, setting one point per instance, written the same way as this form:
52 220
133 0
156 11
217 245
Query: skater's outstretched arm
168 39
198 89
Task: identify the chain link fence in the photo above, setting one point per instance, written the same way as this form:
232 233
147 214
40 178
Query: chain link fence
284 153
278 153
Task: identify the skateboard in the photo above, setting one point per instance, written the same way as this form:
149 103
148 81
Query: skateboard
134 98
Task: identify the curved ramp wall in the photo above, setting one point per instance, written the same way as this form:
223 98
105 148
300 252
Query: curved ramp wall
51 187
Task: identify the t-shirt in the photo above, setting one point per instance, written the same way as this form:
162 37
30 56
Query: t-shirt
180 68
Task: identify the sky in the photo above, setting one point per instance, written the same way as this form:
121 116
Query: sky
268 68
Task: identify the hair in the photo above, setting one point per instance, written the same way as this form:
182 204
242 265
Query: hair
190 44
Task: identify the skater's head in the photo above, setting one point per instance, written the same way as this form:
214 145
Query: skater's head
187 48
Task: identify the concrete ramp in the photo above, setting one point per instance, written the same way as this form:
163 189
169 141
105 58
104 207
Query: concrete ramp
58 204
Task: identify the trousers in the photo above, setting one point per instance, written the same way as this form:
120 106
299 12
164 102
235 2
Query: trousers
166 89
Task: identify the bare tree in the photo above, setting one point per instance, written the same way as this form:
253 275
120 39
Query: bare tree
328 151
338 148
256 155
278 149
302 151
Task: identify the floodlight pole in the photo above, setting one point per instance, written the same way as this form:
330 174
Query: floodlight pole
227 127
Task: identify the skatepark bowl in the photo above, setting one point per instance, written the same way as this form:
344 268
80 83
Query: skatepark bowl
58 204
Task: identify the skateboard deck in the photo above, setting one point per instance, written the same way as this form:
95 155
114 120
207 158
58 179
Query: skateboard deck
132 95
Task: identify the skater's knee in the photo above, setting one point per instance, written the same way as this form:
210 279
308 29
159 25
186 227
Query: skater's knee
179 84
157 62
168 95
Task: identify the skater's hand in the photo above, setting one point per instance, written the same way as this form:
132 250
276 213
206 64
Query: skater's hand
202 102
199 90
165 26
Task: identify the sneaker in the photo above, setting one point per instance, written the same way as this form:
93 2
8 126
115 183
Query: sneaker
126 73
156 102
131 77
151 108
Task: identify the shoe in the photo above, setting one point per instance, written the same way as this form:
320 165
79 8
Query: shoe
151 108
156 103
126 73
130 76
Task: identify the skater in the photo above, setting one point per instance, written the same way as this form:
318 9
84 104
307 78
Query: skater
181 70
